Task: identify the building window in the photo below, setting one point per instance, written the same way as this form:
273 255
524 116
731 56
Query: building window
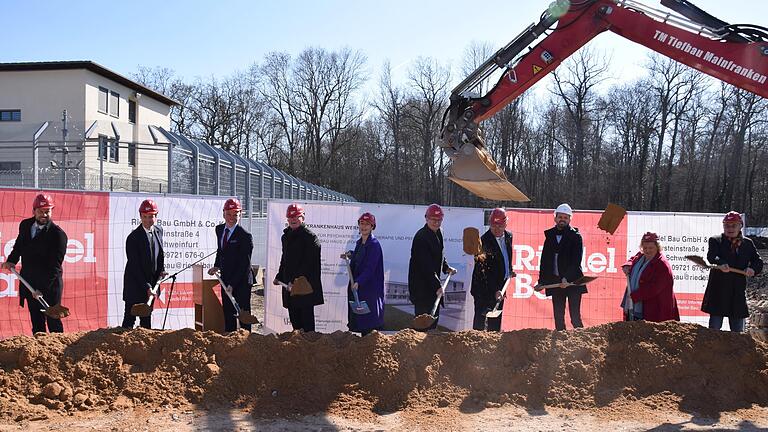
103 97
132 154
114 148
10 166
114 104
10 115
132 111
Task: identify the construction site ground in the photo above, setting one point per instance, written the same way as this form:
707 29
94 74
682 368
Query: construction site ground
618 377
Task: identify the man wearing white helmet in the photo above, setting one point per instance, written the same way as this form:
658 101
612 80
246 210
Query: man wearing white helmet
561 263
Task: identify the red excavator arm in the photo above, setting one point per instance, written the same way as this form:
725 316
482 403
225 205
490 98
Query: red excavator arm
737 54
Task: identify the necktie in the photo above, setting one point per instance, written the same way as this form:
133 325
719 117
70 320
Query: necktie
504 255
226 237
152 250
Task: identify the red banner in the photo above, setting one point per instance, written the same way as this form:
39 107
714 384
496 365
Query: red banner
84 217
603 256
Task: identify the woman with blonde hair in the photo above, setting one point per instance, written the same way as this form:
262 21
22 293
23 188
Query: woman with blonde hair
650 283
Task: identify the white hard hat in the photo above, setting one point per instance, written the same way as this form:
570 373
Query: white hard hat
564 208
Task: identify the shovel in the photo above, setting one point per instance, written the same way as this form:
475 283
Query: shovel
495 312
701 262
245 317
580 281
301 286
424 321
58 311
145 309
358 307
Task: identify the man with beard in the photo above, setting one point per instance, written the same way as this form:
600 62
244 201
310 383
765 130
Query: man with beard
561 263
41 246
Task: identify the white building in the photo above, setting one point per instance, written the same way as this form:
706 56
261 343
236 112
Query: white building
112 126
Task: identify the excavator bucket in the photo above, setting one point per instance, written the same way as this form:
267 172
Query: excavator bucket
474 170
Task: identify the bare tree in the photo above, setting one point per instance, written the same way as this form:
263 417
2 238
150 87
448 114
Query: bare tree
165 81
428 81
276 85
575 86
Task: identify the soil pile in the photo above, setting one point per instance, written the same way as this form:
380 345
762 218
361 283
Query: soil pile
668 365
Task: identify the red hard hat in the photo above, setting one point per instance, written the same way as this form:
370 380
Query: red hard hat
649 237
733 216
367 217
232 204
294 211
43 201
434 211
148 206
498 216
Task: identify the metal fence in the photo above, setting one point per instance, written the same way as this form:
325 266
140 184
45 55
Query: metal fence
115 156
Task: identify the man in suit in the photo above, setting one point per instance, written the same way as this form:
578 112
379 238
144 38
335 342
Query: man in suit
492 269
233 258
561 263
426 263
145 264
41 246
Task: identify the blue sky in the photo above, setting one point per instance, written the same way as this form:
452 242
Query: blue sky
199 39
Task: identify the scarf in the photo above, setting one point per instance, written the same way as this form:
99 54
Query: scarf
735 242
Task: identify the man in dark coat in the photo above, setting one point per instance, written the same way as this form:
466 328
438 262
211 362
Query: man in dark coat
301 257
233 258
561 263
41 246
492 269
726 291
426 264
145 264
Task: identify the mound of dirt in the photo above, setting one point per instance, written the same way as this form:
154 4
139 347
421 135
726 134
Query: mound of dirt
669 365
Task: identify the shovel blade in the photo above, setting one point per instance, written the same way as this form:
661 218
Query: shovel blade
423 322
493 314
141 310
57 311
359 308
247 318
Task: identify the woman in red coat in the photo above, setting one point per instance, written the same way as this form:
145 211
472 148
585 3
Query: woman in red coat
650 282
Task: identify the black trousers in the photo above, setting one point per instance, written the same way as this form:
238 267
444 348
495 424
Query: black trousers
39 319
559 297
302 318
129 320
426 309
243 299
482 308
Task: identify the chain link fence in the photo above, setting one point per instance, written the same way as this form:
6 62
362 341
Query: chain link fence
116 156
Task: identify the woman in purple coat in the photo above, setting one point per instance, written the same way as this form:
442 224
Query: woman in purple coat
367 264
